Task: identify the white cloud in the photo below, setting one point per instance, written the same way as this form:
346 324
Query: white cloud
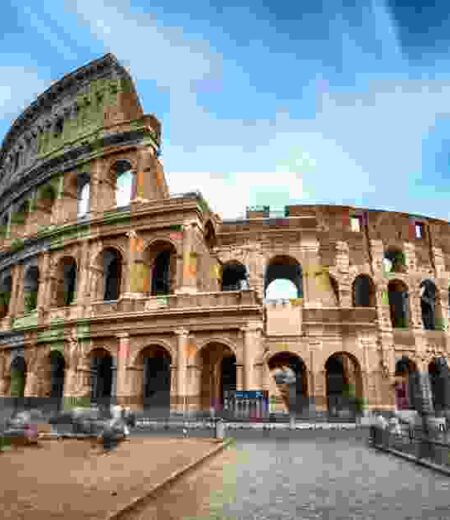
18 88
361 148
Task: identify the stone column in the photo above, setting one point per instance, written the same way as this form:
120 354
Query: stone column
123 352
17 285
137 282
189 277
44 301
182 355
83 280
239 376
252 346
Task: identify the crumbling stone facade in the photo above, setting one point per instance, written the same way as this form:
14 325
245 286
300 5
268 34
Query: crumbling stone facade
111 288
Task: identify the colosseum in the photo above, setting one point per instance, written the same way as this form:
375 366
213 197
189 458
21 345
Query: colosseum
113 290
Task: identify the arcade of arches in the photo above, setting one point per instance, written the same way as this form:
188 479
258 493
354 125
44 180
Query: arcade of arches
159 381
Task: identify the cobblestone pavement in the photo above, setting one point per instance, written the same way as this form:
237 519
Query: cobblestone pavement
307 476
73 479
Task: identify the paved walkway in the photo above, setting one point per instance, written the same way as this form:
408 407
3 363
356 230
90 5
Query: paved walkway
311 477
72 479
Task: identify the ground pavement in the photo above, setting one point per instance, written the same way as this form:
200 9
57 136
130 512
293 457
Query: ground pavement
73 479
306 475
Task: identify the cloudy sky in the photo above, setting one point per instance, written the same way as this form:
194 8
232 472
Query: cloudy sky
278 103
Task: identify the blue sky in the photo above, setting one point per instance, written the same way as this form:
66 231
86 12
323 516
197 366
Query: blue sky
339 102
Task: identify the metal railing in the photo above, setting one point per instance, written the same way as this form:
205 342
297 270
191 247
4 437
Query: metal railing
413 441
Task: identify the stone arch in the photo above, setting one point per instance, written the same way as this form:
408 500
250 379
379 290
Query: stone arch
438 371
344 385
161 258
5 292
46 197
157 343
219 340
125 183
210 234
102 375
394 260
363 291
153 379
288 269
18 376
293 392
218 374
31 287
399 304
428 304
66 281
56 377
406 383
234 276
83 193
334 290
112 269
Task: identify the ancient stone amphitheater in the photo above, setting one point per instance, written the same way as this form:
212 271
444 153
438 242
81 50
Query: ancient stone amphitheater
113 290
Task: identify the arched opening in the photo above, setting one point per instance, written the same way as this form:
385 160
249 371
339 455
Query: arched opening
83 195
5 293
344 385
101 377
155 362
428 304
57 367
234 277
161 258
67 281
398 304
394 260
290 375
46 197
18 377
287 273
210 235
218 375
440 384
363 291
112 273
31 286
124 183
406 381
334 290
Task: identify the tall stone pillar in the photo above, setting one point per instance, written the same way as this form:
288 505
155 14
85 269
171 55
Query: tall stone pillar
137 282
252 347
190 260
239 376
182 356
123 352
44 302
83 280
17 277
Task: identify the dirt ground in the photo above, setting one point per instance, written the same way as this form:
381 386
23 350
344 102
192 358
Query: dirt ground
74 479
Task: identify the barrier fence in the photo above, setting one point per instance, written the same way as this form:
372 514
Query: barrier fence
433 446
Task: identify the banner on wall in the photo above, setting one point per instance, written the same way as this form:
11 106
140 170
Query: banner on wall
246 404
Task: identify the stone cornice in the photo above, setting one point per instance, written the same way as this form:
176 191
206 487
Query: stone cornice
68 160
105 66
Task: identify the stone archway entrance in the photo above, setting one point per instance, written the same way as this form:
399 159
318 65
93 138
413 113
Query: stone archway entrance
294 395
56 383
218 375
155 364
344 385
18 376
101 377
405 384
440 384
